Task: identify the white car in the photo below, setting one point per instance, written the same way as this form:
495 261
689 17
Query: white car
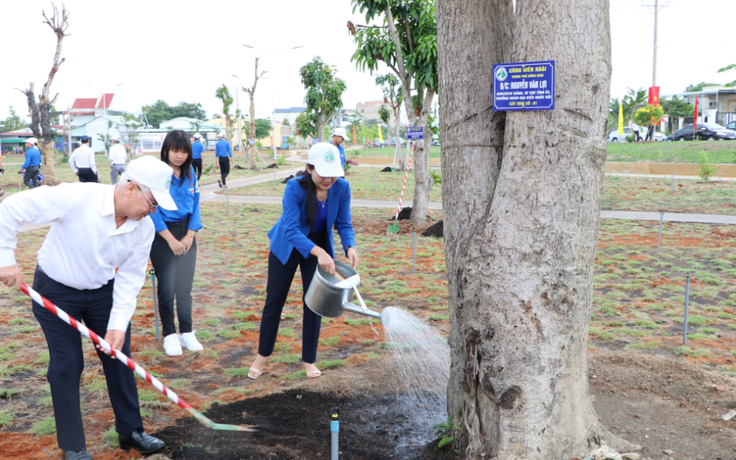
614 136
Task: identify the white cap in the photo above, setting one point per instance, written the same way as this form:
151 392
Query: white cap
341 132
222 135
197 136
115 138
156 175
326 160
32 140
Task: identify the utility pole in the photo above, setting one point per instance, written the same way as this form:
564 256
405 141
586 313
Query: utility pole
655 8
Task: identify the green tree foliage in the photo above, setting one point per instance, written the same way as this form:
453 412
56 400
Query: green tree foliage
161 111
700 86
726 69
406 41
13 122
676 108
648 116
324 96
263 128
223 94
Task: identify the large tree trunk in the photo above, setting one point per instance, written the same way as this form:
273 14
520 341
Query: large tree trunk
422 182
521 204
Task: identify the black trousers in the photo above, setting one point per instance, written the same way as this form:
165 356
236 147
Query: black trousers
197 164
175 277
30 177
280 277
224 167
87 175
67 360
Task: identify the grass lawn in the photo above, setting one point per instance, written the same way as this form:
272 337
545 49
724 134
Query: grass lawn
673 152
434 152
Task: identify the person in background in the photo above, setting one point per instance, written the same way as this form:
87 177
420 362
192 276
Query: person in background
174 249
32 165
92 265
223 152
314 201
197 149
82 162
338 136
118 156
2 170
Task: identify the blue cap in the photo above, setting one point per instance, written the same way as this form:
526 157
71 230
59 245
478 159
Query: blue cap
85 139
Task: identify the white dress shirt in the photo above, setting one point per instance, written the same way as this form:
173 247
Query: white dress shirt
84 246
117 155
82 157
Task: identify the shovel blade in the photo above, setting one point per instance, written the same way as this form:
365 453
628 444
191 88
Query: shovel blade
393 229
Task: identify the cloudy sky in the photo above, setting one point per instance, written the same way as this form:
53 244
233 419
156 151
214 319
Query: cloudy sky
183 50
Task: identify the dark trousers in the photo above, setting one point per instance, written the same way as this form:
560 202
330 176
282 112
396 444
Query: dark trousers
67 361
280 277
197 165
87 175
30 177
175 277
224 167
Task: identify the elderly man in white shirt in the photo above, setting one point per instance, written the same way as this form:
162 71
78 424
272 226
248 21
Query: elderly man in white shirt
118 156
92 265
82 161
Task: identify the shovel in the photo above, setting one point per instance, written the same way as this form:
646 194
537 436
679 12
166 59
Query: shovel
155 303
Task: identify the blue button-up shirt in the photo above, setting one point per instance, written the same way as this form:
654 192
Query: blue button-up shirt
197 149
222 149
33 157
342 153
185 193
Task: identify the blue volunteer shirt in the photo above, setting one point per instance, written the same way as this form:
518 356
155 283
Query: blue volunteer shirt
342 154
222 149
33 157
320 215
197 149
185 193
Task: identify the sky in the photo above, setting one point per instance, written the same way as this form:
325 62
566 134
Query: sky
181 51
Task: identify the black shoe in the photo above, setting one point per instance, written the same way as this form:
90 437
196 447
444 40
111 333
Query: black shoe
219 183
81 455
142 442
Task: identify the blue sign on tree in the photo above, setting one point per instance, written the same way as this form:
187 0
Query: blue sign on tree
414 133
524 86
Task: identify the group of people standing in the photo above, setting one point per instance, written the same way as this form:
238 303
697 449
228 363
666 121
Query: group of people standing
93 264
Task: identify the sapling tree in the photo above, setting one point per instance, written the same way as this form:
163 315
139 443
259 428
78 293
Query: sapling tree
324 96
393 97
649 116
40 110
406 41
521 201
250 157
223 94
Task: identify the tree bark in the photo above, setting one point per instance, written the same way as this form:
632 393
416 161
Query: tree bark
251 158
521 204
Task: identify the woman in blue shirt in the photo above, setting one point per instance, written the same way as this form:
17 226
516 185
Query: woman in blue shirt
174 249
32 165
314 202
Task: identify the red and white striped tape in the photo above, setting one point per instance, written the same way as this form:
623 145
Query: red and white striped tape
104 344
406 176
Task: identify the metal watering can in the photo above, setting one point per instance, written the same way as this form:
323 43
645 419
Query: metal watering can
329 296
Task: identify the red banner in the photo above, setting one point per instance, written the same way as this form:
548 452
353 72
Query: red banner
695 116
654 95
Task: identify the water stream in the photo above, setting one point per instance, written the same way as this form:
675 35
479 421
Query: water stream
420 366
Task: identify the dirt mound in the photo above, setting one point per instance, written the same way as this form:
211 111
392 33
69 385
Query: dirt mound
291 176
272 166
435 230
387 169
296 425
405 213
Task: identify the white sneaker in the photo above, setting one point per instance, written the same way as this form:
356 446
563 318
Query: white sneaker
172 347
189 340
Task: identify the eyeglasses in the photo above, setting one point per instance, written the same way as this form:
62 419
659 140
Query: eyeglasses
153 206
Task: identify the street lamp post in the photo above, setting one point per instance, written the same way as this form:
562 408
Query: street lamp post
237 111
273 89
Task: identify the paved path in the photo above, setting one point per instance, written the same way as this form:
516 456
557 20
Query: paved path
208 194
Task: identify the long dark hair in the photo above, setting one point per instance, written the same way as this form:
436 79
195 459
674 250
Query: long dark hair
307 183
178 140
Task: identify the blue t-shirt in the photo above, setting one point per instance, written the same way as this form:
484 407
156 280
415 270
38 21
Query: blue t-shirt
222 149
33 157
197 149
186 198
320 215
341 149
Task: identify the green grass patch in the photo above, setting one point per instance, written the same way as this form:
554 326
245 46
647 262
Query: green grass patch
6 418
645 345
288 332
286 358
44 427
236 372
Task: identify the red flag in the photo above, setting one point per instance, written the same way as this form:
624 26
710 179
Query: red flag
695 117
353 133
654 95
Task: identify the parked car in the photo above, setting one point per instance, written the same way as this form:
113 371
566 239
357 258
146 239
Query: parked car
376 143
731 126
392 141
614 136
436 143
659 137
704 131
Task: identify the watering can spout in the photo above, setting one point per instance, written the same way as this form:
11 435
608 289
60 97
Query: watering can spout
363 311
